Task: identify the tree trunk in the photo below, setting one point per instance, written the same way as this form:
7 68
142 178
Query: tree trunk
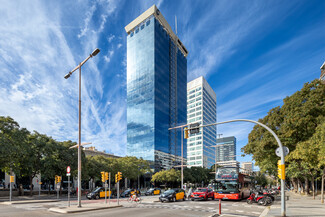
313 186
31 185
295 185
306 186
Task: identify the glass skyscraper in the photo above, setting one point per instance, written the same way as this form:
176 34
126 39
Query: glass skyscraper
156 89
201 108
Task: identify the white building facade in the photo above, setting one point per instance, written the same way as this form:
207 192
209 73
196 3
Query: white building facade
201 108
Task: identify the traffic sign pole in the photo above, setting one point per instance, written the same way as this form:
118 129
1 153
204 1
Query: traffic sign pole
106 192
109 188
118 192
69 190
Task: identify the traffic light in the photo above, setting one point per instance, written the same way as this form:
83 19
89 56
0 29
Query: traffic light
106 176
119 176
116 179
57 179
281 170
186 133
194 128
103 176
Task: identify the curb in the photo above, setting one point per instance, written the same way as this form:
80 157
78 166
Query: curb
82 209
28 201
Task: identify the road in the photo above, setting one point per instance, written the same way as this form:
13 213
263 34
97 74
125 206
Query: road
147 208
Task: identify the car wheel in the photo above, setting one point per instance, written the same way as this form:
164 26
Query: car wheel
97 197
192 199
206 198
213 197
174 199
184 198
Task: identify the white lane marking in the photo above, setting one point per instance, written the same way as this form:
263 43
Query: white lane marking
256 213
239 211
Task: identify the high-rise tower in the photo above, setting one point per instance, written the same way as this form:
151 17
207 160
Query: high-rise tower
156 89
201 107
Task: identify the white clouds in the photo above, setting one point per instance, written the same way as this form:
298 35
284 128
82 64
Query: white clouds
108 57
110 38
87 20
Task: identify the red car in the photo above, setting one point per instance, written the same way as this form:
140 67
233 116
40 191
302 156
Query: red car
202 194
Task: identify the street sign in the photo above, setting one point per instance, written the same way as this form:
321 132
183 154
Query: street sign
285 151
68 169
12 179
68 174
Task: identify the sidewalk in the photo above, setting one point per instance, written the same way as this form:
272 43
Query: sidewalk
84 208
299 205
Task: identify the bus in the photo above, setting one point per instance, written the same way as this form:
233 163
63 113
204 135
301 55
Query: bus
231 185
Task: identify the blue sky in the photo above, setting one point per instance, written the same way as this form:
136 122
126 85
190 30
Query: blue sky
253 54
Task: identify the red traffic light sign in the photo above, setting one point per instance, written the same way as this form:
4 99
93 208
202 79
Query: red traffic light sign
68 169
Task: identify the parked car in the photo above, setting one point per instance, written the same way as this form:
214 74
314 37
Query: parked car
202 194
153 191
173 195
129 192
98 193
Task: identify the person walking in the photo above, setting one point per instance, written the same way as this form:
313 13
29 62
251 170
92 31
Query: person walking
189 193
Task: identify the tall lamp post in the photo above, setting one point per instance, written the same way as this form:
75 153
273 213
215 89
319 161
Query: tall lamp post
94 53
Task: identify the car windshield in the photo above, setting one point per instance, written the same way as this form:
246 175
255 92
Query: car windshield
97 189
201 190
169 192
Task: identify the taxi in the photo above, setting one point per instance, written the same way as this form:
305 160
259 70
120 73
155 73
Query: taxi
173 195
98 193
153 191
129 192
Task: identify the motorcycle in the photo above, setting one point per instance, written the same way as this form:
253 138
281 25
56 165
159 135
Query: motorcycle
260 198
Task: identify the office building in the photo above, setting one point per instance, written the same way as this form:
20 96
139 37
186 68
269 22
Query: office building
322 73
156 88
201 108
226 149
247 167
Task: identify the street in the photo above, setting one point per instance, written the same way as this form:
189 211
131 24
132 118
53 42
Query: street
147 208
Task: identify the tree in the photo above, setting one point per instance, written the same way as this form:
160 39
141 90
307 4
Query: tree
294 123
168 177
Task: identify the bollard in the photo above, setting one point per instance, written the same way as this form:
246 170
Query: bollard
219 206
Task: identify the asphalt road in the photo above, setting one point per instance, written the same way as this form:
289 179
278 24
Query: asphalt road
146 208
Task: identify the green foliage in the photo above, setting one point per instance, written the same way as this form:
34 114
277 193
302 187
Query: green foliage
197 175
299 124
168 177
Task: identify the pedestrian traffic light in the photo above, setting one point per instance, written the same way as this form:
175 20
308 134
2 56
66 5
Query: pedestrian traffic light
281 170
186 133
106 176
194 128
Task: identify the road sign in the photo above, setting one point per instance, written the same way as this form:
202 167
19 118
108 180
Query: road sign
68 169
68 174
12 179
285 151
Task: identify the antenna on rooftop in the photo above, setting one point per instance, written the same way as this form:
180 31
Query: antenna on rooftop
176 24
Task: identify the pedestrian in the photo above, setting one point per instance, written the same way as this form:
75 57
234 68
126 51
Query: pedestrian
189 193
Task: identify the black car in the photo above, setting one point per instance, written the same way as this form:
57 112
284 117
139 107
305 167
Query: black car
129 192
98 193
153 191
173 195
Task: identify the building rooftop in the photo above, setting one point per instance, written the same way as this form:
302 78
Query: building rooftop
154 11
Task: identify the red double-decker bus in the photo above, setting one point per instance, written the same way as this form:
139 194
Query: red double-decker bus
231 185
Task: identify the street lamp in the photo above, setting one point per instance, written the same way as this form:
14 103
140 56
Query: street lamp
94 53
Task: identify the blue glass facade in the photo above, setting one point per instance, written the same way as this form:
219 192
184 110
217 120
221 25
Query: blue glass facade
149 65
